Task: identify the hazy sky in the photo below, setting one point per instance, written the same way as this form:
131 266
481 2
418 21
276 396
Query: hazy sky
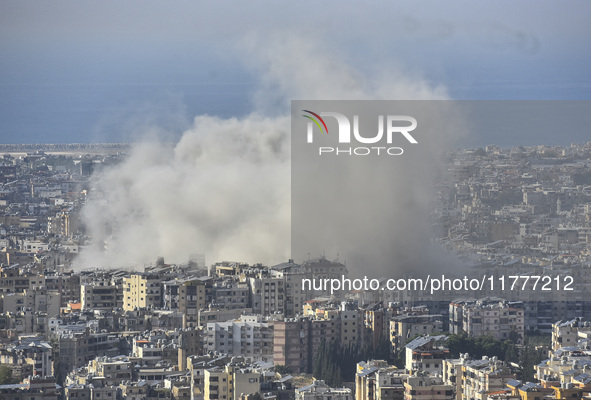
80 71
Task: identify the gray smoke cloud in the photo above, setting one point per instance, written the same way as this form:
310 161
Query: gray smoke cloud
224 189
221 191
375 211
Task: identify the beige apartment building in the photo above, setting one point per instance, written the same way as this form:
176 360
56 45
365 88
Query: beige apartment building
229 382
142 291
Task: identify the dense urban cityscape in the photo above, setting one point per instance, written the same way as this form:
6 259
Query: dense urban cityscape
228 330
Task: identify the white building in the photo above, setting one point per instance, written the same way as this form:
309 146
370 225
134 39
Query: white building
566 333
318 390
247 337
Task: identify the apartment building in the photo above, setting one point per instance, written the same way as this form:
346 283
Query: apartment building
230 382
318 390
473 379
142 291
405 327
566 333
489 317
267 295
426 353
101 295
248 337
425 387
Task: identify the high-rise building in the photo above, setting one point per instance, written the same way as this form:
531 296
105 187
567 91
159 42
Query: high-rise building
291 344
101 295
473 379
230 382
142 291
191 300
247 337
493 317
405 327
425 387
267 295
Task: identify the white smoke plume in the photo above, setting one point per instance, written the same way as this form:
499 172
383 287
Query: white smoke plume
221 191
224 189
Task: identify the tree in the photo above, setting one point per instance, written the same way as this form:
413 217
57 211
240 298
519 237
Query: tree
6 377
327 363
511 353
481 346
480 152
530 356
57 362
582 178
282 369
123 347
336 363
383 350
